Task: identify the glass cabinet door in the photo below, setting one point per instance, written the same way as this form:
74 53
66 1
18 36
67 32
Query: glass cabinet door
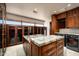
25 30
11 40
19 34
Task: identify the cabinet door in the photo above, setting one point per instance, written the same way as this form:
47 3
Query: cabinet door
54 26
76 21
77 17
73 18
71 22
62 15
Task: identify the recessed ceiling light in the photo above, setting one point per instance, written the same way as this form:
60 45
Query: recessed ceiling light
55 11
69 5
63 9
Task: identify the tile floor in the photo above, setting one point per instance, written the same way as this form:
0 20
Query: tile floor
15 51
0 52
68 52
18 51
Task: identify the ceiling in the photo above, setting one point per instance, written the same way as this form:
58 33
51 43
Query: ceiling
51 8
41 10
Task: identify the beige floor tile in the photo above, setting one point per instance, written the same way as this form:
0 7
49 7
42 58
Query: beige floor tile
15 51
19 51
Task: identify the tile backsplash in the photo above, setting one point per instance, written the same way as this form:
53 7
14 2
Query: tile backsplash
69 31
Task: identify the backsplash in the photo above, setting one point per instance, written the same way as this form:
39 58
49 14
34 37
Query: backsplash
74 31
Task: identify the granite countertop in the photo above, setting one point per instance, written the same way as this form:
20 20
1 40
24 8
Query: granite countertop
41 41
67 33
27 38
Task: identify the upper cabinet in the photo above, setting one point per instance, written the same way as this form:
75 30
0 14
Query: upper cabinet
61 15
53 25
70 19
73 18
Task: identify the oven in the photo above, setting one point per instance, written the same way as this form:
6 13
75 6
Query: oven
72 42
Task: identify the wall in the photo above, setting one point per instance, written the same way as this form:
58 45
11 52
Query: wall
28 11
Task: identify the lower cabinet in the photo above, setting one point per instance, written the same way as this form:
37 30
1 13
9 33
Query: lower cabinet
55 48
60 47
49 49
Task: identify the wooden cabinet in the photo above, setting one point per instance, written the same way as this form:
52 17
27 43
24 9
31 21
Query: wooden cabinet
14 35
39 30
53 25
60 45
70 22
49 49
73 18
55 48
61 15
77 21
77 18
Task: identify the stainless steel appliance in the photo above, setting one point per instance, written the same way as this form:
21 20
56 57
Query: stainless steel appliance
71 40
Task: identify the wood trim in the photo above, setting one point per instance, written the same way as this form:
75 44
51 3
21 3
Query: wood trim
8 35
33 30
22 34
37 29
16 35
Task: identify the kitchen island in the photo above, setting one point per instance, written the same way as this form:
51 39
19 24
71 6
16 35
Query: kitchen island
41 45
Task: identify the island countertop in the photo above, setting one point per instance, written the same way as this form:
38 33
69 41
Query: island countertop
41 40
42 45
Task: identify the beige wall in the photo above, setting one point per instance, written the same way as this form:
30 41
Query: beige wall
23 18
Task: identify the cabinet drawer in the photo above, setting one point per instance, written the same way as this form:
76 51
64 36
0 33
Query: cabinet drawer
51 52
60 51
59 45
60 41
49 47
